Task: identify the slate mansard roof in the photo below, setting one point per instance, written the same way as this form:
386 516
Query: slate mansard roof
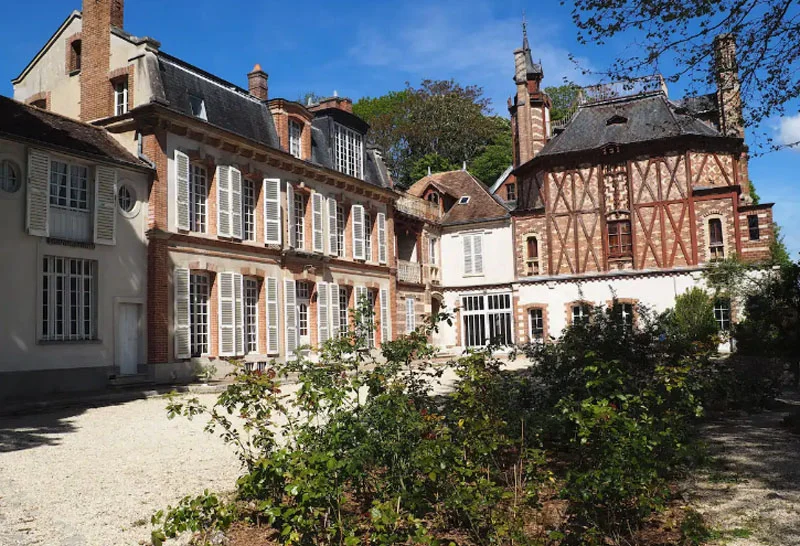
58 133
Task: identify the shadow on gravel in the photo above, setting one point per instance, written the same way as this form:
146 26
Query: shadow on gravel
28 431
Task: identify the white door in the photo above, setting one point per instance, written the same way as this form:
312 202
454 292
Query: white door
128 338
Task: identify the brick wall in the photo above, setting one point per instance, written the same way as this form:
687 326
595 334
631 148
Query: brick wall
159 301
96 91
756 250
721 208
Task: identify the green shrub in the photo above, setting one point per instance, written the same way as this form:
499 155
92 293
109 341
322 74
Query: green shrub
692 320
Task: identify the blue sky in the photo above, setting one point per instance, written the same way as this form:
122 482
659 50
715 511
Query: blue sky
369 48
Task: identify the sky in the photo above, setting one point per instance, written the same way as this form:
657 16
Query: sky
369 48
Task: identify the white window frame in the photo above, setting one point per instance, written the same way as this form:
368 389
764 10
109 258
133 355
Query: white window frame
199 323
432 250
198 198
473 261
10 177
66 281
299 220
722 314
486 312
121 97
348 146
344 309
580 313
340 229
295 138
248 210
367 236
411 317
250 315
532 334
70 193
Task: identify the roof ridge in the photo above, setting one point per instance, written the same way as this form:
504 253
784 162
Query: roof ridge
208 76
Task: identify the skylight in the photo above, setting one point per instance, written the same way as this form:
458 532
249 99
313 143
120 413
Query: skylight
463 200
198 106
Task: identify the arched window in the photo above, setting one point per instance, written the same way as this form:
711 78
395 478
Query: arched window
716 246
433 197
532 256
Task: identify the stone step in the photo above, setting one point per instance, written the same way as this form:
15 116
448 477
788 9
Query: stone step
129 380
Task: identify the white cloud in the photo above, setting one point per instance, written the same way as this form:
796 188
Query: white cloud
789 131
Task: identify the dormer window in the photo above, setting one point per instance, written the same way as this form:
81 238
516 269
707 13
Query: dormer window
511 192
295 132
74 56
121 96
198 106
616 120
433 198
348 151
463 200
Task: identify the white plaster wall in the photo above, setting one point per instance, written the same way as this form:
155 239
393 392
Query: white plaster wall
498 256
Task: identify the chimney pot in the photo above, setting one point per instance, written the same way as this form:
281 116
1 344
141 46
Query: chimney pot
257 83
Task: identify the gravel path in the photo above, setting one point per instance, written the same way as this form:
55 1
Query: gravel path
751 494
93 477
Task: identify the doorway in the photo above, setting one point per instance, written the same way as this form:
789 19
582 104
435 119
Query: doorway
128 333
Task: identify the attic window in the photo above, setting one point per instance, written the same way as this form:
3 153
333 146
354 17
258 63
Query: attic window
463 200
616 120
198 106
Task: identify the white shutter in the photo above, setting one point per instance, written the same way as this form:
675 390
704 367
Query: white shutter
105 200
468 262
323 312
292 238
182 186
223 201
477 253
272 314
272 211
238 323
227 313
180 283
384 316
333 228
411 319
38 193
381 237
318 235
290 307
357 212
335 309
236 203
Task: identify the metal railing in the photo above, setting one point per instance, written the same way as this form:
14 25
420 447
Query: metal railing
409 271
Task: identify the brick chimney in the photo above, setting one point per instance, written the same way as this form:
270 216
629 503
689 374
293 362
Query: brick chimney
257 83
96 93
729 96
341 103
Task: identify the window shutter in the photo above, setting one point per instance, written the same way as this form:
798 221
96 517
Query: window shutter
468 267
333 228
272 314
384 316
290 307
180 283
292 238
272 211
182 182
411 319
238 324
227 313
236 203
318 236
381 237
105 197
323 312
335 309
477 254
358 232
38 194
223 201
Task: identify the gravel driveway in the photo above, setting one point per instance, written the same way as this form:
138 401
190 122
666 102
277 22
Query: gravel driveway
93 477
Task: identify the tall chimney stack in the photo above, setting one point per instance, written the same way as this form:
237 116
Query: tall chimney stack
97 19
257 83
729 96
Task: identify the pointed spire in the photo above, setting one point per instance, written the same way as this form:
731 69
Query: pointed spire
525 45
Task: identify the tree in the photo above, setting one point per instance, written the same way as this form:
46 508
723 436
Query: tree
767 32
565 100
309 97
434 162
496 156
692 320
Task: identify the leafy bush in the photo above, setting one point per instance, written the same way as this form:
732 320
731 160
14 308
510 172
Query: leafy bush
692 320
201 514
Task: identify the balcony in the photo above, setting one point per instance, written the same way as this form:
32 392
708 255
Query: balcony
418 208
409 272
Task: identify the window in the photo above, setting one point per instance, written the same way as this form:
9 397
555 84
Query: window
716 247
248 210
126 198
9 177
75 55
198 194
581 313
487 319
40 104
340 227
532 256
411 318
619 239
536 324
370 319
302 318
299 220
473 254
367 236
432 250
722 312
198 313
69 296
121 97
295 131
348 151
303 290
624 311
344 304
511 192
251 315
433 197
69 186
463 200
752 227
198 107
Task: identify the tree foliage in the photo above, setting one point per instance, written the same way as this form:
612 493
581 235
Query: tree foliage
768 40
565 100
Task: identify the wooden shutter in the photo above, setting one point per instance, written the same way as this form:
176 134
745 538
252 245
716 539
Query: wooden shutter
411 319
105 201
238 321
223 201
381 237
335 309
272 211
333 228
38 193
317 229
384 316
227 314
477 253
182 186
357 212
468 262
180 283
323 313
236 203
292 238
290 314
272 314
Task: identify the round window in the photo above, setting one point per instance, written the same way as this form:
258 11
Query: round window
9 176
126 198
